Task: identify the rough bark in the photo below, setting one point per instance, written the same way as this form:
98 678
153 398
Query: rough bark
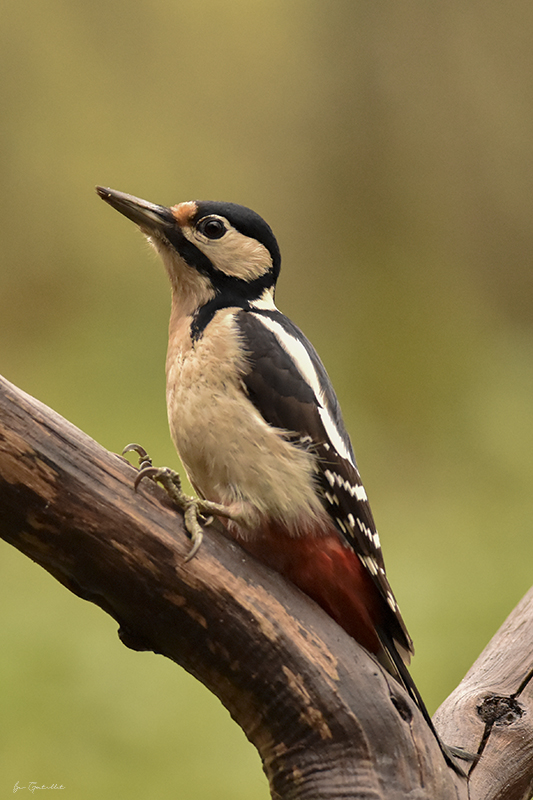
327 721
491 711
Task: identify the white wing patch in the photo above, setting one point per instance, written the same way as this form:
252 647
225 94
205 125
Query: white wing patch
302 360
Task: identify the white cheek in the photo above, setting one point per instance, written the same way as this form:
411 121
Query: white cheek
234 254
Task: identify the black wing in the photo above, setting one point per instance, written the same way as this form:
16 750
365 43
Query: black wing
289 386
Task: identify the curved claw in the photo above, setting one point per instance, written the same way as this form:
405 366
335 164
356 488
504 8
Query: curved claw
144 458
145 472
135 448
196 543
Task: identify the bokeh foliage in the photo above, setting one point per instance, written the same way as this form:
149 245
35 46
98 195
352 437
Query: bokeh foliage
389 145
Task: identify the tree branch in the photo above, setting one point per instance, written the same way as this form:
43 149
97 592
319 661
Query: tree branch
491 711
326 719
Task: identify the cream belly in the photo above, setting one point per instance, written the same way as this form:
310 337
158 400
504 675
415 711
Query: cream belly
228 450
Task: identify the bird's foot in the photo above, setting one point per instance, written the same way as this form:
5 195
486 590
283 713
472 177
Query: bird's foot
194 509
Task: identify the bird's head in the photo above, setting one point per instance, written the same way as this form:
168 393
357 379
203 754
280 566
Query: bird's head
211 249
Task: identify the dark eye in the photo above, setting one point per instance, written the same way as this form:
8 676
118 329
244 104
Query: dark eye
211 227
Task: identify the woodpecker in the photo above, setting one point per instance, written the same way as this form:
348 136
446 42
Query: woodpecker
257 424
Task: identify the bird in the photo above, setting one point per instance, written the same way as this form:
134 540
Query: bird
257 424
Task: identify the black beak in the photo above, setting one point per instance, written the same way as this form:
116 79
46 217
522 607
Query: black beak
150 217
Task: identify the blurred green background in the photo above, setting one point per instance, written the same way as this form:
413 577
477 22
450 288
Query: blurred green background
390 147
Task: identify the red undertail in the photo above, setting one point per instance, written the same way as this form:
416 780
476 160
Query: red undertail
329 572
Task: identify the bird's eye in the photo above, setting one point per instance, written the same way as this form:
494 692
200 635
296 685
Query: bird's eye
212 227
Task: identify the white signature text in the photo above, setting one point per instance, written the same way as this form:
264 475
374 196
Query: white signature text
32 786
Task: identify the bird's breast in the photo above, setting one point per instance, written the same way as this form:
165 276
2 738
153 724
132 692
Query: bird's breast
231 454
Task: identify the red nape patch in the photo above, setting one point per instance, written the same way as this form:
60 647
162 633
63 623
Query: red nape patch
330 573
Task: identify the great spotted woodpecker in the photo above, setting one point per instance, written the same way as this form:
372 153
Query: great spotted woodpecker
257 425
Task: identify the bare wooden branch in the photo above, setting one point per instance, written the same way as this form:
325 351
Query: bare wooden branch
491 711
326 719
